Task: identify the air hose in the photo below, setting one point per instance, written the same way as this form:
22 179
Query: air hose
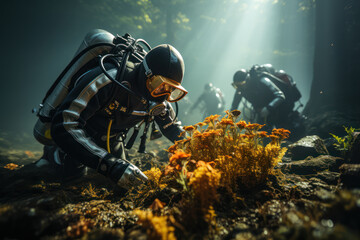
129 51
108 136
177 110
112 79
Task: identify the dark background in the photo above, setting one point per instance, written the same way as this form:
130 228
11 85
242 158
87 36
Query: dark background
317 42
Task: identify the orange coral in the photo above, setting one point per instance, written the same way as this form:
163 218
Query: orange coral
178 155
172 148
189 128
80 228
281 132
241 124
29 154
205 164
169 170
11 166
277 135
211 119
157 205
226 122
176 162
182 134
262 134
254 126
201 124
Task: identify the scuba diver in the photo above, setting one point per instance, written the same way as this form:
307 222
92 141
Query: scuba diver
212 100
272 95
124 87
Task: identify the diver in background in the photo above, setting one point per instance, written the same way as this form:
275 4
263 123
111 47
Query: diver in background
212 100
80 123
272 95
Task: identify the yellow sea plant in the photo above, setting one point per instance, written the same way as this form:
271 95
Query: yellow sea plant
203 183
157 227
154 178
216 153
146 191
237 150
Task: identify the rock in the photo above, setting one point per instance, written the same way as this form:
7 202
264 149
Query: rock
307 146
324 195
353 156
327 120
241 231
329 177
312 165
304 186
264 195
317 183
48 203
350 175
136 235
242 226
345 210
244 236
286 160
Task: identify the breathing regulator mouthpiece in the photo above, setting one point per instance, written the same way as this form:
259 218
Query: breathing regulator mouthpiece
156 108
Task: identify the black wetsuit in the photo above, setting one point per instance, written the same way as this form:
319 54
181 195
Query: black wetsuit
79 126
262 92
213 102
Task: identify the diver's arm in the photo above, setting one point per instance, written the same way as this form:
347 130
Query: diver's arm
90 95
168 126
83 101
236 100
279 96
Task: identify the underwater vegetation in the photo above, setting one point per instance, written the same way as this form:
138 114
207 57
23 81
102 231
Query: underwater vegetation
236 150
216 155
344 144
158 227
11 166
227 179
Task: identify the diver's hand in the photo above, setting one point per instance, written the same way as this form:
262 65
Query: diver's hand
132 177
122 172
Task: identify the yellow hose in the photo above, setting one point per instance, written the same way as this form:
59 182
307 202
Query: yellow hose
108 136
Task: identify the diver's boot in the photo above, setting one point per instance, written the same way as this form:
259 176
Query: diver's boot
45 158
65 167
70 168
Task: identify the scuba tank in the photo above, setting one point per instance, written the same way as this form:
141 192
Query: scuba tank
97 42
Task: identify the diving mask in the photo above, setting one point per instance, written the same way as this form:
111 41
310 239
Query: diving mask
160 86
238 85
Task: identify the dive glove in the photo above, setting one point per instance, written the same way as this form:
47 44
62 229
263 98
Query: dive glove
122 172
